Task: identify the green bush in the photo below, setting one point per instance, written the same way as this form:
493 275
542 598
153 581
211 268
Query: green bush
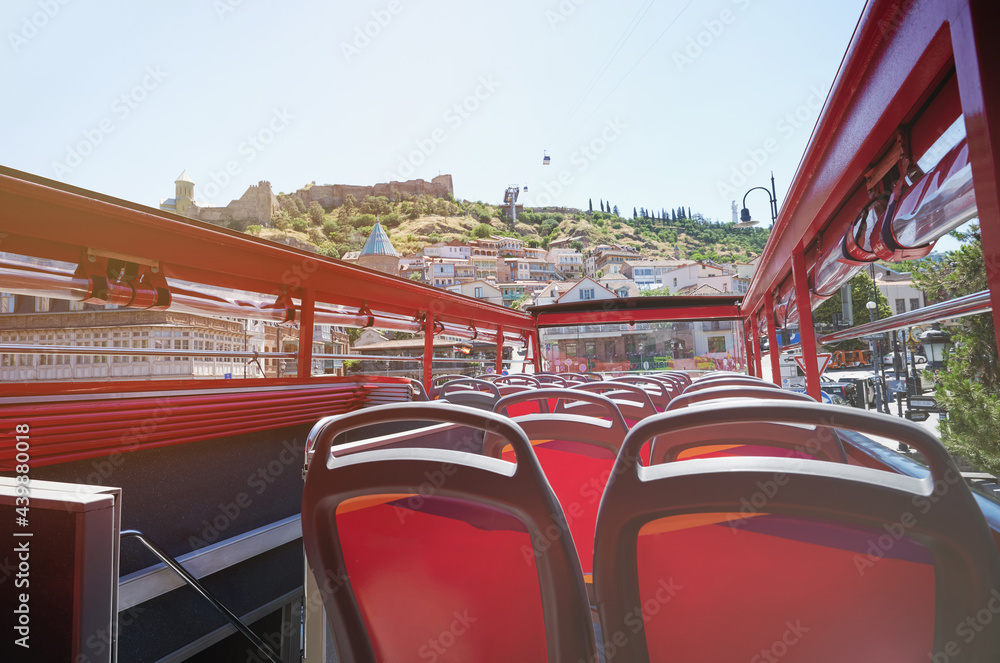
361 221
254 230
330 228
329 249
482 231
316 213
300 224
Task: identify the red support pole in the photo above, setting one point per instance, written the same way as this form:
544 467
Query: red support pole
536 352
428 350
756 346
977 64
800 279
772 338
306 316
499 366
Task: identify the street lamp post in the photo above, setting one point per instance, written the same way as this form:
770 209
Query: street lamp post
745 213
876 358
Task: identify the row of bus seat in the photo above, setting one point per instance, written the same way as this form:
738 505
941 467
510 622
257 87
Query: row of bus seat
710 520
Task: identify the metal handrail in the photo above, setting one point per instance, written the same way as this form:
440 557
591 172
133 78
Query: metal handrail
968 305
198 587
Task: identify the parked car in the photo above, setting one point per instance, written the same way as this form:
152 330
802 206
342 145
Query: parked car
919 360
842 393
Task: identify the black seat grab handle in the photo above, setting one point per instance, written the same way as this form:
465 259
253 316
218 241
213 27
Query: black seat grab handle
326 430
566 394
940 463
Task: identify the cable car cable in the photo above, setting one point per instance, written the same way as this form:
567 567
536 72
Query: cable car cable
641 58
622 39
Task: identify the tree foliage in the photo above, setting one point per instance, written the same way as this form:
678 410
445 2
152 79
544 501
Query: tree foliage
969 386
862 291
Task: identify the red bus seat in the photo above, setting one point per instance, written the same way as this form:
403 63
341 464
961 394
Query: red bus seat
576 453
744 381
439 381
440 554
751 559
660 391
470 392
632 400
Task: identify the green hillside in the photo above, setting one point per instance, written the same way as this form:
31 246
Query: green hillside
413 221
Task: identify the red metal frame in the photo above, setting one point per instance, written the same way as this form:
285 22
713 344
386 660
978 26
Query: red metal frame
806 332
900 55
772 339
977 61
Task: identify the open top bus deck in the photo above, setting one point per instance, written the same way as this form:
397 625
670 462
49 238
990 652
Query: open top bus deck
683 510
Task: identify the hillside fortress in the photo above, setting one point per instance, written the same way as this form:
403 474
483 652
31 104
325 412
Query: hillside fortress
333 195
259 204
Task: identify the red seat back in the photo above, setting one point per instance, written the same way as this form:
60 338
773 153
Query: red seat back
440 554
793 559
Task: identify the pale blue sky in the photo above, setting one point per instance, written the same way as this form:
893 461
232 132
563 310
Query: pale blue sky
288 92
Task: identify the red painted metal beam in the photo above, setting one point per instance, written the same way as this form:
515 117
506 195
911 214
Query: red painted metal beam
306 328
977 62
772 339
899 53
806 332
499 364
639 315
428 351
104 421
47 219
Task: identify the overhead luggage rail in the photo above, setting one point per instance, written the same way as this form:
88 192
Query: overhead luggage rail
805 552
468 537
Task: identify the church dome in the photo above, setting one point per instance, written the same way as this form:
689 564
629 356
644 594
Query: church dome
378 243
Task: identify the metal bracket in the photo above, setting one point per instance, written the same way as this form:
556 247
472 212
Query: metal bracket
897 154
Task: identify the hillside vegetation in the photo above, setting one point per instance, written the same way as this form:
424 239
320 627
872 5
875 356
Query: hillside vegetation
413 221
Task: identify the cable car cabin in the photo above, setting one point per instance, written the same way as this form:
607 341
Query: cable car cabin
194 471
546 160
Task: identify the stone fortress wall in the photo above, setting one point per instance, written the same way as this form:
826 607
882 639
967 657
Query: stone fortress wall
257 205
333 195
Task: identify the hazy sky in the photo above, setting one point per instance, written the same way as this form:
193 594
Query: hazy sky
646 103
